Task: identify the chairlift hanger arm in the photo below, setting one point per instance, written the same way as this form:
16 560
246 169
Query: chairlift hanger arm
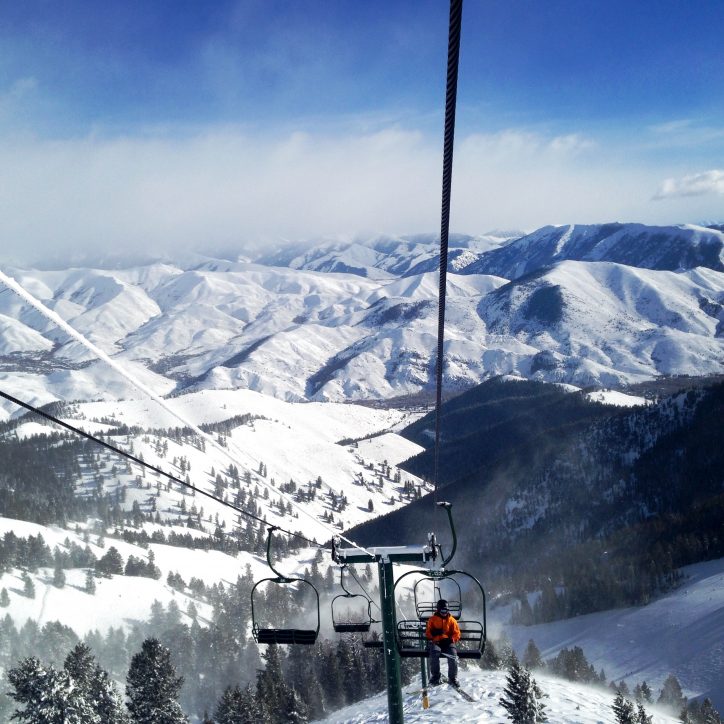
448 510
282 578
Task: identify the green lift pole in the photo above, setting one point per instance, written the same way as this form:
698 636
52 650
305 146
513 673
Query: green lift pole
389 641
385 558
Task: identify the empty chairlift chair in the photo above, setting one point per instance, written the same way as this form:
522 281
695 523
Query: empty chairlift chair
351 612
274 635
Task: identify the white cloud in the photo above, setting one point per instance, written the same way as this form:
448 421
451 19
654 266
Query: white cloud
224 187
698 184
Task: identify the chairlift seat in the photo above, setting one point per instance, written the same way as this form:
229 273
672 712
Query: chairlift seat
285 636
411 641
374 644
352 627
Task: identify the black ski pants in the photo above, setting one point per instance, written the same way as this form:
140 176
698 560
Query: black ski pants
449 651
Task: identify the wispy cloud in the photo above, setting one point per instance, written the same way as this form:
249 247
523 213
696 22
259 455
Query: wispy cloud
225 187
698 184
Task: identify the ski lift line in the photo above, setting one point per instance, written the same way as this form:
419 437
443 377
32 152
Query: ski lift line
151 467
453 56
49 314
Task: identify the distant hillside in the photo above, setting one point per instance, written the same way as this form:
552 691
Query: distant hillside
550 490
666 248
607 305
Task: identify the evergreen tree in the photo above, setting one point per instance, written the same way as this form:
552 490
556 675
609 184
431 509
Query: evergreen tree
95 685
233 708
111 563
90 582
522 698
532 657
152 686
4 598
28 586
272 693
49 696
643 693
641 716
708 714
490 658
296 709
623 709
671 694
58 576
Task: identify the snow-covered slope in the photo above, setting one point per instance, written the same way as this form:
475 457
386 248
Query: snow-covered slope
682 632
598 322
649 247
319 334
567 703
294 441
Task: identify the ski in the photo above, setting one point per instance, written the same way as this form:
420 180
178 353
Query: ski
463 693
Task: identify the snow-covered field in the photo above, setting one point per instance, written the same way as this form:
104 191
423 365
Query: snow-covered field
682 632
567 703
294 441
350 323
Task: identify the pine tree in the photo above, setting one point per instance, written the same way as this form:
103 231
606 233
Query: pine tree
4 598
532 657
48 695
641 716
271 691
623 710
111 563
58 576
708 714
295 710
671 694
522 698
231 708
28 586
95 685
90 582
152 686
644 693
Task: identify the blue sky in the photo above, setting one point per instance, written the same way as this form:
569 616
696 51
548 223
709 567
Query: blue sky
221 123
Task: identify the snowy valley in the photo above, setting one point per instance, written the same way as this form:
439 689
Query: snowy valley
308 370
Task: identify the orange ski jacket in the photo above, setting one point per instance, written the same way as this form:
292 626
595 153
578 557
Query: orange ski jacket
439 628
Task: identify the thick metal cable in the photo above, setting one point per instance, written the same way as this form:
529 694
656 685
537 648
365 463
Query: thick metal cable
453 55
144 464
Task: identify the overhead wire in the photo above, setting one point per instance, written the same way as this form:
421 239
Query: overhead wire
15 287
453 57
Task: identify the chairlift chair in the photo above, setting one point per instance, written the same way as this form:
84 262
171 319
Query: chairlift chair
269 635
350 623
411 641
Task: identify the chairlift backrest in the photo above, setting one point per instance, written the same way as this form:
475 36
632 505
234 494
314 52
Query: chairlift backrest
352 623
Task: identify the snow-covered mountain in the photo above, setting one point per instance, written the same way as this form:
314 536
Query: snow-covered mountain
669 248
600 306
384 256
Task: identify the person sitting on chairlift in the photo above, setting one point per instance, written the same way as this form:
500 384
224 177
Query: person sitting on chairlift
442 633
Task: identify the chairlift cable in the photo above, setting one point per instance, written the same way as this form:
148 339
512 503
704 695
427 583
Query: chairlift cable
453 56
